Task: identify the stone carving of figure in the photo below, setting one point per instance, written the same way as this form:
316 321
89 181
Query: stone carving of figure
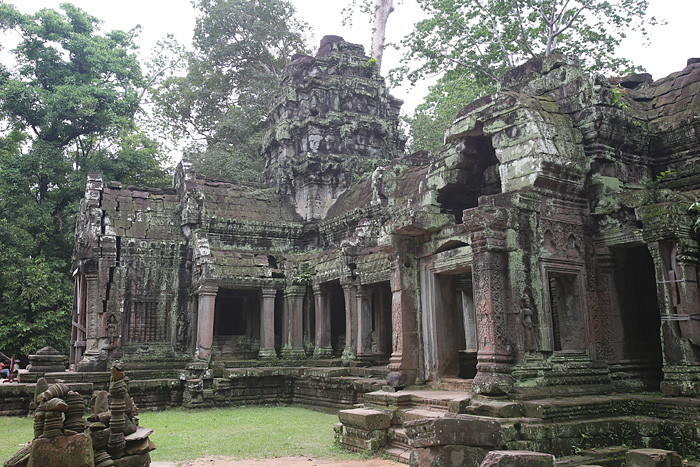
526 319
181 332
111 328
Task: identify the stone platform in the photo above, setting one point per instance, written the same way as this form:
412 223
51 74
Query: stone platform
428 426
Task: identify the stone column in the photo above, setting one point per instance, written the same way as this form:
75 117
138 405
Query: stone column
292 341
465 288
205 321
364 324
350 323
686 265
322 347
267 324
404 361
487 228
606 315
93 320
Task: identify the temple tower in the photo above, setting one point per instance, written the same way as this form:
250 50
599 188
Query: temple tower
333 121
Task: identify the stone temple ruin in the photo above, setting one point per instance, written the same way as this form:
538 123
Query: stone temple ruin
110 437
531 286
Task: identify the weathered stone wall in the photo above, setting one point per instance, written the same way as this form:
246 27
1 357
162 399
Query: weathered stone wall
135 262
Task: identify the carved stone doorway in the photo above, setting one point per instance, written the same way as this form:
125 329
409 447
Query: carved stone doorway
640 318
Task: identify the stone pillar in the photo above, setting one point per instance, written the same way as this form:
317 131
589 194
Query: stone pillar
292 341
267 324
487 227
93 318
205 321
465 288
686 267
364 324
350 323
404 361
607 316
322 347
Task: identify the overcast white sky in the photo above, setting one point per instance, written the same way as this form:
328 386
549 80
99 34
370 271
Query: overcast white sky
670 47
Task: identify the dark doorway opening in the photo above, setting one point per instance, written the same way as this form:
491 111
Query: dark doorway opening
474 175
337 304
641 318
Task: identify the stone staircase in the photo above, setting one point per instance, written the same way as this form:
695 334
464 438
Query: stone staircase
439 423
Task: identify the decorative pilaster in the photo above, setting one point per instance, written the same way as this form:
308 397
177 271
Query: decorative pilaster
205 321
292 341
487 228
606 317
670 239
350 323
465 288
403 364
364 324
267 324
323 347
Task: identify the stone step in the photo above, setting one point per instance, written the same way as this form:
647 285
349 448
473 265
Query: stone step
371 371
452 384
398 438
398 454
421 413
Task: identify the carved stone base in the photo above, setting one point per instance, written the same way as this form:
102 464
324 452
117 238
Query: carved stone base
681 380
267 354
323 352
401 378
492 383
293 353
348 355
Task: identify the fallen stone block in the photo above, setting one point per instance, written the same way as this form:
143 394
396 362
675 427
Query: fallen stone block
652 458
62 451
447 456
453 429
518 459
366 419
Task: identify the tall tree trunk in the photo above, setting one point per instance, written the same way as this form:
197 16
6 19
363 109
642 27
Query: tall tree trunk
381 15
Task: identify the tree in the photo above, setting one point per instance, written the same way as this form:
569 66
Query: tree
67 105
380 11
472 42
241 50
487 37
453 91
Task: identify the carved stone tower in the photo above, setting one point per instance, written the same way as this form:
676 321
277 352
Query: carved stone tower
333 121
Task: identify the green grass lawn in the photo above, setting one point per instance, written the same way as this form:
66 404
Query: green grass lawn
14 433
248 432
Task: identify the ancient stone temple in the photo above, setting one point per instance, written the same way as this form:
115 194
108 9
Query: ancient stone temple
547 249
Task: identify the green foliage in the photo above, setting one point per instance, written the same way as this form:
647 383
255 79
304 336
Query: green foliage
486 38
68 105
655 183
695 209
372 67
618 93
241 50
473 42
453 91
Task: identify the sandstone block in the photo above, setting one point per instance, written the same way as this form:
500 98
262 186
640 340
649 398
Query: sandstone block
62 451
366 419
460 429
518 459
447 456
652 458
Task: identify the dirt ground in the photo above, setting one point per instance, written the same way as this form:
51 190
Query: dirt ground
283 462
